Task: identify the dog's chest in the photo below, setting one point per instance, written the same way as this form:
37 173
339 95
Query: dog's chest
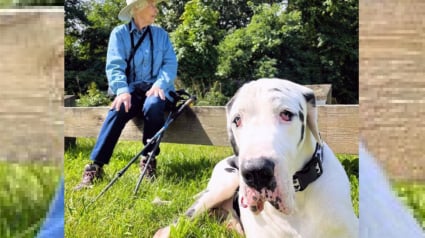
270 223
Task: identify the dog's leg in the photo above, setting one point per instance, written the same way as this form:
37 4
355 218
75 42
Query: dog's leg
221 188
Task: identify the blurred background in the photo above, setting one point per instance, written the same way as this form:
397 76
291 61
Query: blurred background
21 3
392 93
31 117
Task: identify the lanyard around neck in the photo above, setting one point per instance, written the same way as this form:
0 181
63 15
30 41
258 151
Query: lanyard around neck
134 49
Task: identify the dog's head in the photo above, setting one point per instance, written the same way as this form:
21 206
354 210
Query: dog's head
272 126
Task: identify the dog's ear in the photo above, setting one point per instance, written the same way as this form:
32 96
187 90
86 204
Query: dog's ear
312 122
229 127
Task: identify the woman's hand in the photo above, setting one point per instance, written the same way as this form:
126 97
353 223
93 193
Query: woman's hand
120 99
157 92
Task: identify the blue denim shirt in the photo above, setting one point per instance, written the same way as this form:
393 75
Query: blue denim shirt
164 65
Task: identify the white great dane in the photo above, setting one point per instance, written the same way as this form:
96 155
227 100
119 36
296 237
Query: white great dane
382 213
283 180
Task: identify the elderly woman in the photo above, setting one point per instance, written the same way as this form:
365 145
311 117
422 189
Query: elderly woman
141 66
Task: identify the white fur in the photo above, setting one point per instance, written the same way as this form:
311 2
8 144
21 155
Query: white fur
324 209
381 213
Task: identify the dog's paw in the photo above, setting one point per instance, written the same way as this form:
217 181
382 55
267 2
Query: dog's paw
234 224
163 233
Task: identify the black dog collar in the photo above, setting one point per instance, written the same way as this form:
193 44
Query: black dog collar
311 171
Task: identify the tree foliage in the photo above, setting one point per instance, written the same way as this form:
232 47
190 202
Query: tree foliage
253 51
88 25
229 42
332 28
194 42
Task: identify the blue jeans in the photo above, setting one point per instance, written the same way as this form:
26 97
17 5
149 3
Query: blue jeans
153 111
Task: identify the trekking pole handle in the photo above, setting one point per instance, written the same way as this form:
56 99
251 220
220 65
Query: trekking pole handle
192 99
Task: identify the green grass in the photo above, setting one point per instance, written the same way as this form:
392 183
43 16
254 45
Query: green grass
183 172
413 195
25 194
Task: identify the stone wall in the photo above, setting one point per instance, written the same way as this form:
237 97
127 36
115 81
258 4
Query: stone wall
31 82
392 84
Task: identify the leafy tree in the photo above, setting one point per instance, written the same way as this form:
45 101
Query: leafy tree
88 27
230 41
75 17
194 41
170 12
233 14
310 42
260 49
332 31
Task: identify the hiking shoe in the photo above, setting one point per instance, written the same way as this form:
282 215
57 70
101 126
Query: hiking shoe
150 168
91 172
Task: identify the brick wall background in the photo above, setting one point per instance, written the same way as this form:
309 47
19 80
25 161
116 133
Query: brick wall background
392 84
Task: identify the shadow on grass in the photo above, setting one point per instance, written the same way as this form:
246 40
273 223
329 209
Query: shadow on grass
82 146
186 169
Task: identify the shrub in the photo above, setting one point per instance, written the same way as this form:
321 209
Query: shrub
94 97
214 97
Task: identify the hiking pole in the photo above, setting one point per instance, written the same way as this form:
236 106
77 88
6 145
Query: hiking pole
155 139
171 117
122 171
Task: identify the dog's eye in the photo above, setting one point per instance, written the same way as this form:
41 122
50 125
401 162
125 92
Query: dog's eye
237 121
286 115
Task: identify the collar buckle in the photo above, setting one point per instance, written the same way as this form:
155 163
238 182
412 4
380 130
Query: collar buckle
310 172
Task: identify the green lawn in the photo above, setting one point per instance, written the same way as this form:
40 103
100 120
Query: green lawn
183 172
413 195
25 194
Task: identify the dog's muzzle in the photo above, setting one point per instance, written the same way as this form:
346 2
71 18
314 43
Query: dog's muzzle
259 173
261 186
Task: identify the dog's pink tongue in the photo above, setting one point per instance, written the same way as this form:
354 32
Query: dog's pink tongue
252 199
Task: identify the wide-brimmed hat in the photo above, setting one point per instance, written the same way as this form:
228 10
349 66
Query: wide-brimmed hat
125 13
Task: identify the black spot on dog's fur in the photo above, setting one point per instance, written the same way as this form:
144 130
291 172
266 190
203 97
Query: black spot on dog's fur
302 133
272 186
190 212
301 116
230 170
236 203
233 162
310 98
275 90
276 202
301 107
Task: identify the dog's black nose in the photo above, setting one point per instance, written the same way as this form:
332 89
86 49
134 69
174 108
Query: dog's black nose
259 173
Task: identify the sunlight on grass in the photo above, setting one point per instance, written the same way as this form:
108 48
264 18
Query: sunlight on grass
25 194
184 171
413 195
